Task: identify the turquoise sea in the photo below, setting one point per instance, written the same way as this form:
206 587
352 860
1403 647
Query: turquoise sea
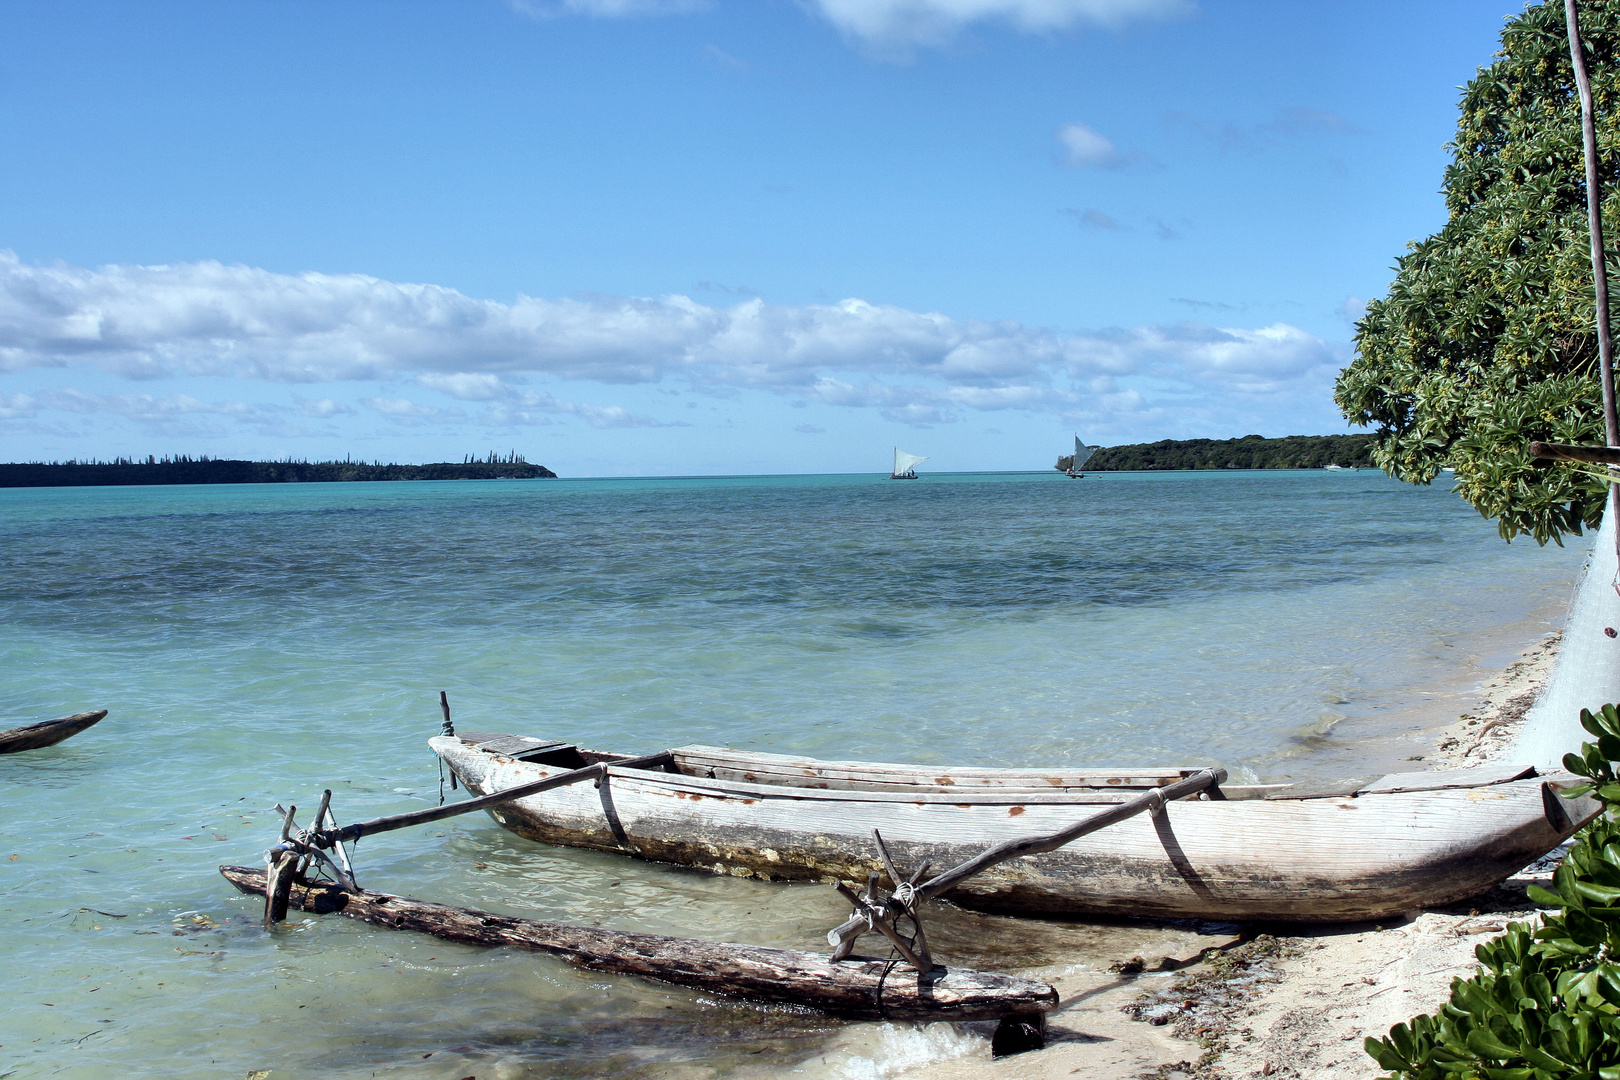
258 643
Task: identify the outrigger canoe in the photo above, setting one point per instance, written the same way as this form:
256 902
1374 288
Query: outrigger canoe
1362 849
47 733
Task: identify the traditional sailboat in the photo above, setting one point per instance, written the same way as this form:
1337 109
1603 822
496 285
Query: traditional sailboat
905 465
1082 454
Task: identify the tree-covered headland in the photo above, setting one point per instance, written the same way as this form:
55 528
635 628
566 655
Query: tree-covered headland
1486 339
182 469
1249 452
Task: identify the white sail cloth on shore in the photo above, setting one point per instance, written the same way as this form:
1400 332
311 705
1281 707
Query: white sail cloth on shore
904 462
1587 672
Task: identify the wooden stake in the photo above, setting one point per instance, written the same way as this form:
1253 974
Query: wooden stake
448 730
278 887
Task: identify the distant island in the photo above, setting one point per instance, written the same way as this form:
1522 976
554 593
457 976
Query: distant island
1249 452
206 470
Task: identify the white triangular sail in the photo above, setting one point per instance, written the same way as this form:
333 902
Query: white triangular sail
1082 454
904 462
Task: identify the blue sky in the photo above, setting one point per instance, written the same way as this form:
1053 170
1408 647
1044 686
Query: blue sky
682 237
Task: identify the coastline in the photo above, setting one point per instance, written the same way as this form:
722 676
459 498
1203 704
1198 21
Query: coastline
1294 1004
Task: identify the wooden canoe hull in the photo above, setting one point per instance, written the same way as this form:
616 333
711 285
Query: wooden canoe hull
48 733
859 988
1311 860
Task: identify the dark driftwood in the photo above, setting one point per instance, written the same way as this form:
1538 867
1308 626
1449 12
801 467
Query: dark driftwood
1591 455
48 733
859 989
327 838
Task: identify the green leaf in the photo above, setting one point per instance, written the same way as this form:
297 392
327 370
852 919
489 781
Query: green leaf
1386 1055
1603 894
1486 1044
1542 896
1542 1060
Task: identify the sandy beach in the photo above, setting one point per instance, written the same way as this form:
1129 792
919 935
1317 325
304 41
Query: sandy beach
1242 1002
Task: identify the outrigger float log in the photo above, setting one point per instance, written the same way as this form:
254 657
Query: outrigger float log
859 988
912 986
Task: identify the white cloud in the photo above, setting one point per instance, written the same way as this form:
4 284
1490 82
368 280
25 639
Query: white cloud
466 386
208 319
399 407
1085 148
143 406
902 23
529 407
178 416
17 407
321 408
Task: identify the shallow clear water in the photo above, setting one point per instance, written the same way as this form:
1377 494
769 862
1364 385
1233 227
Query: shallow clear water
258 643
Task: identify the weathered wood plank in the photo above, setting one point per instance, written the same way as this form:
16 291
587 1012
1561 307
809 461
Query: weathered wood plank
1484 776
782 769
703 787
862 989
1328 788
48 732
510 745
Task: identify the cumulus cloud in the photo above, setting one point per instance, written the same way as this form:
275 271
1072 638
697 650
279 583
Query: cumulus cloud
1085 148
513 406
18 406
321 408
889 24
210 319
402 408
180 415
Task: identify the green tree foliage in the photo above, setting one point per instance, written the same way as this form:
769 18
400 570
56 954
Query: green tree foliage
1486 338
1249 452
1546 1002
